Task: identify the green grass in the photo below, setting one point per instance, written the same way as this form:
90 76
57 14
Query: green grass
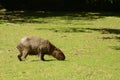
90 41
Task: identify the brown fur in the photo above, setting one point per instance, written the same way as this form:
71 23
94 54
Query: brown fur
37 46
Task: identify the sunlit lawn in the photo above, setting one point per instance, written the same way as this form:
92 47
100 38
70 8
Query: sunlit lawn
90 41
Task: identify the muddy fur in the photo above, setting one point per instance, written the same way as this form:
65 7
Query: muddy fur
37 46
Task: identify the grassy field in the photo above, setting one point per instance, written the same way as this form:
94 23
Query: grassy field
90 41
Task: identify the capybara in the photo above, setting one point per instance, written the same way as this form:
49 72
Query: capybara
32 45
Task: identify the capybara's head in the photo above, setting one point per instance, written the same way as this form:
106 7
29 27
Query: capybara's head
58 54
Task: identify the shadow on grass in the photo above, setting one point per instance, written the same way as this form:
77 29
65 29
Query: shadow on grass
106 30
42 61
47 60
65 30
86 30
33 17
115 47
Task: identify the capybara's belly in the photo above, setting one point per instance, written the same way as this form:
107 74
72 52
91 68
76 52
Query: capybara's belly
33 52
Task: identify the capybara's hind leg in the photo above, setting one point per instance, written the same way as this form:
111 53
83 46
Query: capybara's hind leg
20 52
19 56
25 53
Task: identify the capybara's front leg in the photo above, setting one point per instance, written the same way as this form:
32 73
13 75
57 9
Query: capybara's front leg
42 56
